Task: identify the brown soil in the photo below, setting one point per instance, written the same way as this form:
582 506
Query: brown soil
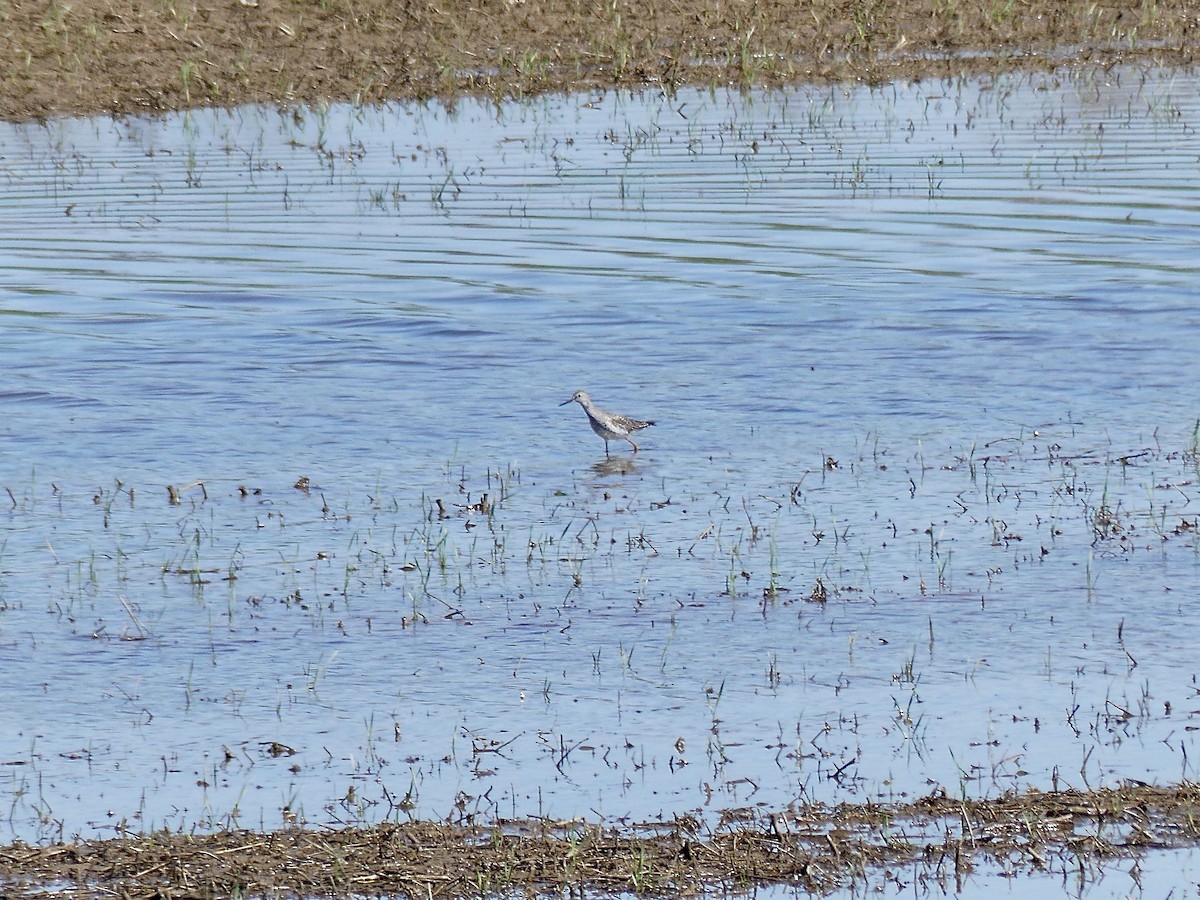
136 56
934 842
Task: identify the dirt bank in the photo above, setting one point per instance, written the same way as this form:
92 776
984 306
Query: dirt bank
61 57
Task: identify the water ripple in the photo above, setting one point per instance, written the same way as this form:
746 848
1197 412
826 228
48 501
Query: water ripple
925 446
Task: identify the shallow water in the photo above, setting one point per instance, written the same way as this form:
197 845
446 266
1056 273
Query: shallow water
919 510
1162 874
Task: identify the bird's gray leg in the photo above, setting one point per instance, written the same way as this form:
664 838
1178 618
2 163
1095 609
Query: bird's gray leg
635 446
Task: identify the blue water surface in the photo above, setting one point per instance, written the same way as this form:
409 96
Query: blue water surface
294 527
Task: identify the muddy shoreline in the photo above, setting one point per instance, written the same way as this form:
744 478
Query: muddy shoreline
938 840
142 58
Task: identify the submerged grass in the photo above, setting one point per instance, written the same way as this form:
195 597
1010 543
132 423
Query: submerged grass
314 577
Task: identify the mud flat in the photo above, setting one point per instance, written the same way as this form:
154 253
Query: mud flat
129 58
934 842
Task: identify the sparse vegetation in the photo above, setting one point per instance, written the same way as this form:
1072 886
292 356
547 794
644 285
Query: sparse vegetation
937 840
108 57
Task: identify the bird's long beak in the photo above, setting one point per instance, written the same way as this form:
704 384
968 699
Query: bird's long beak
565 402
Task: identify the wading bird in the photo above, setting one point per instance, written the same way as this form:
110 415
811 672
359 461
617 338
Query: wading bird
609 426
